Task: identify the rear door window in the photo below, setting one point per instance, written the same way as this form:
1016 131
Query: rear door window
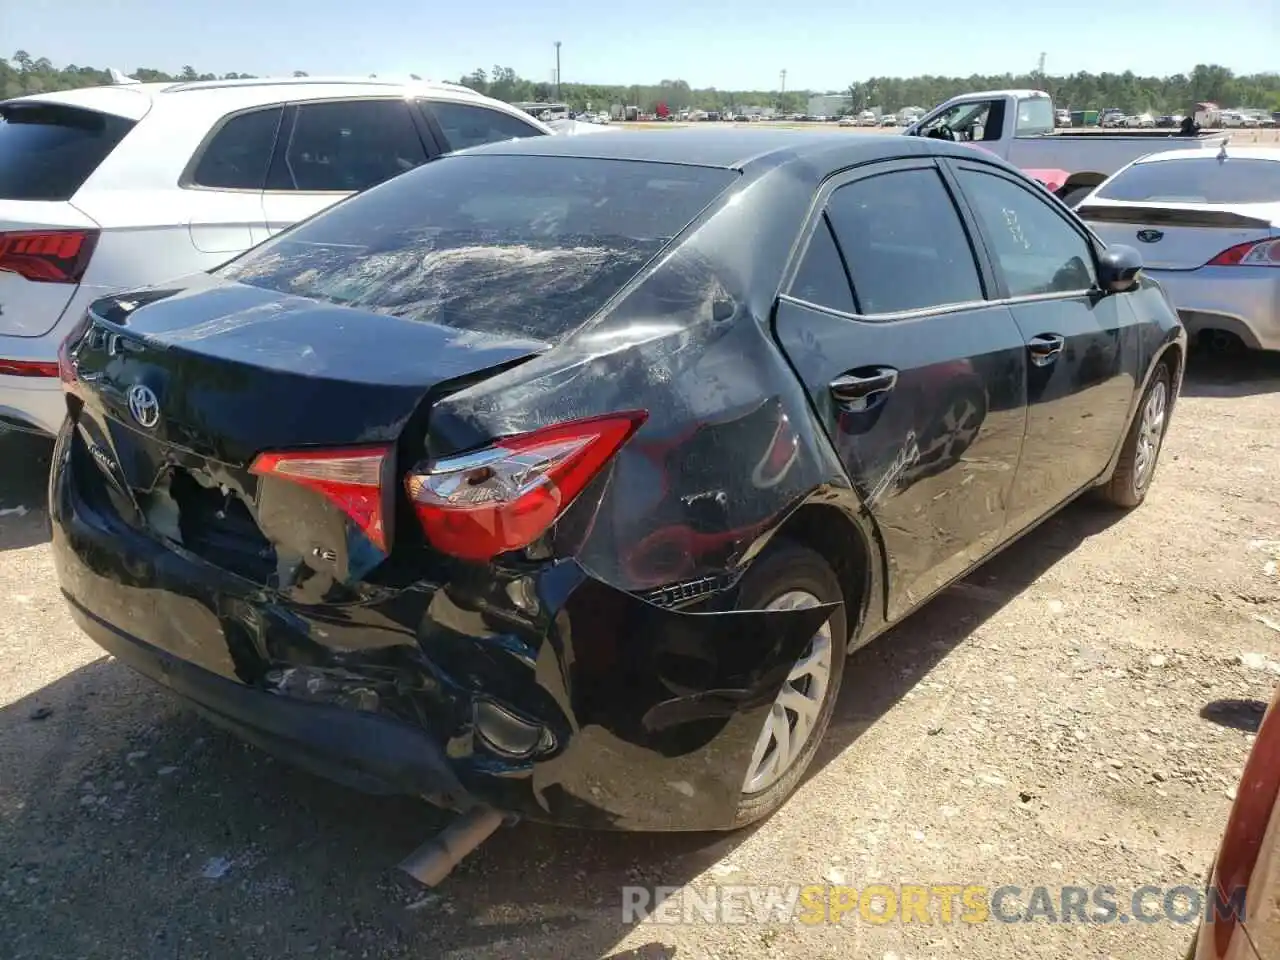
1200 180
48 150
904 242
1035 117
525 245
464 125
238 155
347 145
821 279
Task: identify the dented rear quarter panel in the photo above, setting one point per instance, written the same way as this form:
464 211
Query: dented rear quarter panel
691 494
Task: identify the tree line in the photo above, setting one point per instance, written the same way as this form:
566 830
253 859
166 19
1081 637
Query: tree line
22 74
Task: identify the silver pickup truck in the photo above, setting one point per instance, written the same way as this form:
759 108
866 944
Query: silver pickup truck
1018 125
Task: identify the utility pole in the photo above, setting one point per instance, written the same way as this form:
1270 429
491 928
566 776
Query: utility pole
1040 65
782 96
557 71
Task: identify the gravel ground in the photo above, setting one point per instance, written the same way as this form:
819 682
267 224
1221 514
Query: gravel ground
1076 712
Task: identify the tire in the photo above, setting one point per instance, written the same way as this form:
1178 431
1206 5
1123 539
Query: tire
789 569
1131 480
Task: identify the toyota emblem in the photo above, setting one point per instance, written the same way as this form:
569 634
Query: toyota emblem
144 406
1150 236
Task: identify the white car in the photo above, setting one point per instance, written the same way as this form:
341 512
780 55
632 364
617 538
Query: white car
1141 121
1208 227
888 120
1235 119
124 186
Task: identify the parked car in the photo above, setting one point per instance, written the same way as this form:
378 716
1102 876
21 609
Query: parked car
1243 894
1062 118
848 121
888 120
1235 119
1140 121
1169 121
514 483
1209 228
109 188
867 119
1018 126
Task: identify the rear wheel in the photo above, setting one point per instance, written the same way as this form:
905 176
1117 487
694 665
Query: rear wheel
1137 465
792 577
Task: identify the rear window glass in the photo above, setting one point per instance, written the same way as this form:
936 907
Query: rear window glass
525 245
48 151
1207 180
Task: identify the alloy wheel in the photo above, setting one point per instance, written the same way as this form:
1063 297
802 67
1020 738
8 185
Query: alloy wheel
1150 434
794 713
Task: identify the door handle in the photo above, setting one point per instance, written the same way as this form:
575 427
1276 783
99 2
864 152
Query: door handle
1045 348
863 389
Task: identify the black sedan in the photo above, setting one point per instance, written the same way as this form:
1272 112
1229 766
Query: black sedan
557 477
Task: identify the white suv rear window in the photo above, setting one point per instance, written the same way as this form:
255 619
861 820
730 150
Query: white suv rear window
48 150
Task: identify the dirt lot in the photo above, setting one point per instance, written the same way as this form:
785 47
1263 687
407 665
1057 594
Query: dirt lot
1077 712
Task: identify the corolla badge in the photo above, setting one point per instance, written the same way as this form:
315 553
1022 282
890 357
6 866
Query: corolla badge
144 406
1150 236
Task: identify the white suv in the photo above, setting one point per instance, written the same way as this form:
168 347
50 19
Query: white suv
107 188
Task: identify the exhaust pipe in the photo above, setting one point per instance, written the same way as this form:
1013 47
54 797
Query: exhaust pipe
435 859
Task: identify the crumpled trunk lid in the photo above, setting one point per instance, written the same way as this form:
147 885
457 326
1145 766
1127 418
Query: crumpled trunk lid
179 390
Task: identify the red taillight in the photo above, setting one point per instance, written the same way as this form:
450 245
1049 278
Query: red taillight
478 505
1254 253
47 256
28 368
349 478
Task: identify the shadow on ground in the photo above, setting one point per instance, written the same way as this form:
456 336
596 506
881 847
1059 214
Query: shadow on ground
24 476
1245 375
140 831
1243 715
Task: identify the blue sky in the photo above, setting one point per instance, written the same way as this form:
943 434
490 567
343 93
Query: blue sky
822 44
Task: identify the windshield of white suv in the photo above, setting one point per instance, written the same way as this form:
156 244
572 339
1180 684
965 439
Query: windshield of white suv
47 150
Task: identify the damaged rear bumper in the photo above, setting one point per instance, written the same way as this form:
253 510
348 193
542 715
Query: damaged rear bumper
539 691
361 750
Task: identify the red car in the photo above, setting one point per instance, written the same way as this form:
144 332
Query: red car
1247 870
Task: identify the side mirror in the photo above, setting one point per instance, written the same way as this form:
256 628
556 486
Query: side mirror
1118 268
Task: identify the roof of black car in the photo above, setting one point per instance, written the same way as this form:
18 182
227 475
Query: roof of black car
733 148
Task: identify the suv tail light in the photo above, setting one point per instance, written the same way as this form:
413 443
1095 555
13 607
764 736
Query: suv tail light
1254 253
349 478
47 256
481 504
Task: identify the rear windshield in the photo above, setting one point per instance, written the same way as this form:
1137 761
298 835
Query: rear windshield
1207 180
526 245
47 151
